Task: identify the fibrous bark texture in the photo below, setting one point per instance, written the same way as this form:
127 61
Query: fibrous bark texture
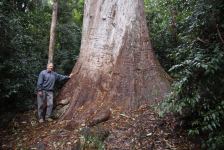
116 66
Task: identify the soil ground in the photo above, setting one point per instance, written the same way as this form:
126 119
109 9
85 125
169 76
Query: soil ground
142 129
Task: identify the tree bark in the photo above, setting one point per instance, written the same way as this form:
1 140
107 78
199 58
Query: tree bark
53 31
117 68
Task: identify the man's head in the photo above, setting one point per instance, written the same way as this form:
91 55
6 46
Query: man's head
50 66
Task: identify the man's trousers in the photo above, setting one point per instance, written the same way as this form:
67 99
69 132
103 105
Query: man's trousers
42 100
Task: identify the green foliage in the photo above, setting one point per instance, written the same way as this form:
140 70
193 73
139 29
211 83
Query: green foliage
91 142
190 47
93 138
24 40
186 35
20 57
68 35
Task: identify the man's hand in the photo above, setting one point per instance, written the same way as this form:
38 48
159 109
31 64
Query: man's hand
70 75
40 93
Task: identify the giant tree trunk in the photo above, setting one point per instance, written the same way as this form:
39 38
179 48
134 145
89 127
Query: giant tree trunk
116 67
53 32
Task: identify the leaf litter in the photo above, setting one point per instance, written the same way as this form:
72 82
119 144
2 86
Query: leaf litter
142 129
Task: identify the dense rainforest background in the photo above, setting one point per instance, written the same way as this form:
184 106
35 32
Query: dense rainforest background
187 36
25 28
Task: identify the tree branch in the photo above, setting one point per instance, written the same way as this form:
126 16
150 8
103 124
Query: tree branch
201 40
219 33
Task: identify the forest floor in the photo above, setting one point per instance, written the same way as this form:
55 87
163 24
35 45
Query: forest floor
142 129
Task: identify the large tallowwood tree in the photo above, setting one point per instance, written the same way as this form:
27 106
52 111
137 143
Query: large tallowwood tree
117 67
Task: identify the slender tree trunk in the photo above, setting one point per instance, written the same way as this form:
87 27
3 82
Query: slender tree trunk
53 32
117 68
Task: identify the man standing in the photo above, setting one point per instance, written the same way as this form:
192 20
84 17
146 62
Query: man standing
45 87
